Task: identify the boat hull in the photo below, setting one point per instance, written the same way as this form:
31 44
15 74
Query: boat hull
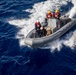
37 42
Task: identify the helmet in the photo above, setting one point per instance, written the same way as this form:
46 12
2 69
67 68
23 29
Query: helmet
37 21
49 11
57 11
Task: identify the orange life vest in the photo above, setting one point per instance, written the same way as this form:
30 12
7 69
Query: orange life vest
57 15
37 24
49 15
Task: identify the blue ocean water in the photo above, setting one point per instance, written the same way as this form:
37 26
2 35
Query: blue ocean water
22 60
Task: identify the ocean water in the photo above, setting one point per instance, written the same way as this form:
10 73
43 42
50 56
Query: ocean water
17 18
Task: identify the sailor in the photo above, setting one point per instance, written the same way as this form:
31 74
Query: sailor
37 27
49 14
42 31
57 14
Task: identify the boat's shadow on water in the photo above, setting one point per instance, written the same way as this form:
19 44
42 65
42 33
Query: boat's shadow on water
56 63
39 57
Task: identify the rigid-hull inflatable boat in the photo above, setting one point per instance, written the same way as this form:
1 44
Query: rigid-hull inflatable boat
55 28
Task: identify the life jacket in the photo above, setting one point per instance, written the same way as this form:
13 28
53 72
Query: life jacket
57 15
37 24
49 15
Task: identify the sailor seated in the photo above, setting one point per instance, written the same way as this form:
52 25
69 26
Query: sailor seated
42 32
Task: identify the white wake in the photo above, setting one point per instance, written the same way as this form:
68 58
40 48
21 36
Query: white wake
38 12
73 10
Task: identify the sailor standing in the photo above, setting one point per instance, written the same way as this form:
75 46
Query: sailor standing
49 14
57 14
